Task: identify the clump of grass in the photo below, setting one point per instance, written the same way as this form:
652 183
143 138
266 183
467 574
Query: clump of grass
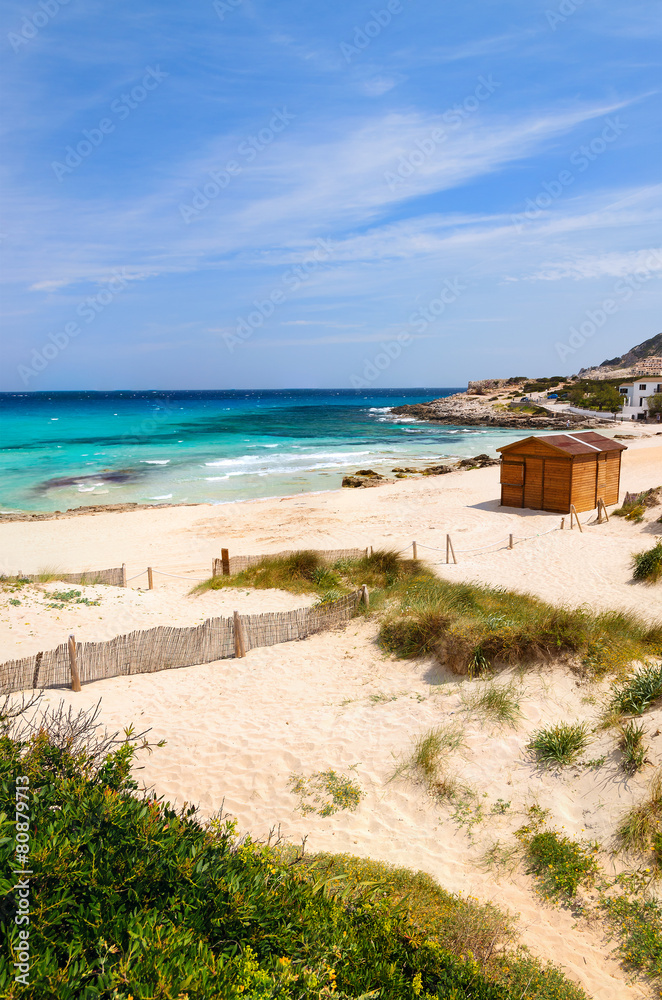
306 572
469 628
638 692
632 747
647 566
428 762
639 831
634 508
61 598
326 792
559 863
496 702
561 743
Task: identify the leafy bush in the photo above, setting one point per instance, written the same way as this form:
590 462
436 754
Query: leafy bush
638 692
560 864
638 923
559 744
131 898
648 565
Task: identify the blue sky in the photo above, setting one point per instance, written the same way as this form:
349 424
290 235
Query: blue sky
241 194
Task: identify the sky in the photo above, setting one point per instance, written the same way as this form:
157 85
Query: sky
236 194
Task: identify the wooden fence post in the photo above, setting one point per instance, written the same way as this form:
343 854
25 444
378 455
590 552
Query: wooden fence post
573 514
562 523
367 551
124 574
602 511
365 596
414 550
150 578
510 542
449 550
225 560
75 677
239 644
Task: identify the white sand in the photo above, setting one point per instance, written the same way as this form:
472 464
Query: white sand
237 730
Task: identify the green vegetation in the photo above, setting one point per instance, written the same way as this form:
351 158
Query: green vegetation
471 628
559 744
594 394
648 565
134 899
633 748
559 863
497 702
429 759
655 403
306 573
326 792
60 599
638 692
634 508
637 922
640 829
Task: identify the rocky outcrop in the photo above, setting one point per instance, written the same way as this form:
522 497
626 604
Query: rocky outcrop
467 410
365 478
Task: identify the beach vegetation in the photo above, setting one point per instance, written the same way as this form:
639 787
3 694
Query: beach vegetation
469 627
638 692
499 703
632 747
326 792
559 744
428 761
640 828
133 898
636 920
306 572
647 566
559 863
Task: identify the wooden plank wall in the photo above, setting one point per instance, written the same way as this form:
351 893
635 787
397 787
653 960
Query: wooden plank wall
583 482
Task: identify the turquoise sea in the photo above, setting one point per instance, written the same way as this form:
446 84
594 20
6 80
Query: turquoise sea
67 449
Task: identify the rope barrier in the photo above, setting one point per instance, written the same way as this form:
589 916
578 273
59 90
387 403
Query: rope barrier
136 576
177 576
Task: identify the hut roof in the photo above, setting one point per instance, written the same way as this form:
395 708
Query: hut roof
582 443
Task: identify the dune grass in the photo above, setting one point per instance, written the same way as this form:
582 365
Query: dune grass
497 703
560 744
471 628
637 692
647 566
306 572
429 759
640 829
632 747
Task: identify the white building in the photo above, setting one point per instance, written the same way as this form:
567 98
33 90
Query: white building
635 405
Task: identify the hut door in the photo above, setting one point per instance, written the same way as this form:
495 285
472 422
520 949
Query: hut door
533 483
601 477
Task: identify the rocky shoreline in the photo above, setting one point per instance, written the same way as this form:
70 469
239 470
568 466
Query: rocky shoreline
470 410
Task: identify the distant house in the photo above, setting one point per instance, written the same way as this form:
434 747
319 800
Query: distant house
635 402
555 471
649 366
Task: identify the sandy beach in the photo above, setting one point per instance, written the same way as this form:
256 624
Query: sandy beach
237 731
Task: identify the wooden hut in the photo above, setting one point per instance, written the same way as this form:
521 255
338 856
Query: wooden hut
553 472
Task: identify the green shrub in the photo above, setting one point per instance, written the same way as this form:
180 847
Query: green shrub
638 692
648 565
560 864
131 898
638 923
559 744
640 828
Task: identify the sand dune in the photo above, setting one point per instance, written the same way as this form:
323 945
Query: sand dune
237 730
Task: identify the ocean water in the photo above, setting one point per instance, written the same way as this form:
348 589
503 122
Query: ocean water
68 449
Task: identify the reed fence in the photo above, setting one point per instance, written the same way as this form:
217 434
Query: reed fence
164 648
112 577
228 565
